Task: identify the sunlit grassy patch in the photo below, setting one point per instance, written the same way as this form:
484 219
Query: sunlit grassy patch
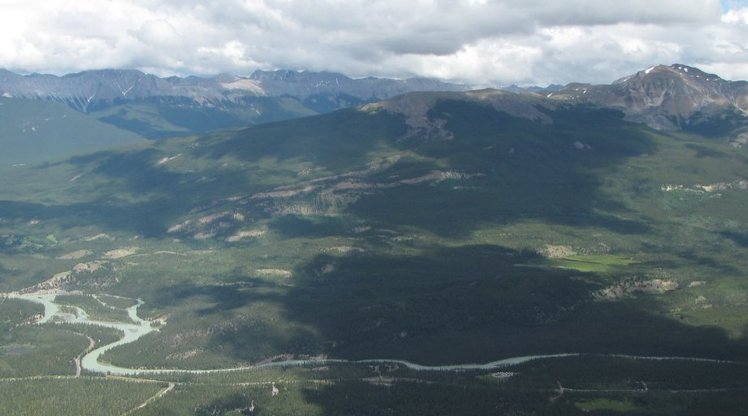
599 263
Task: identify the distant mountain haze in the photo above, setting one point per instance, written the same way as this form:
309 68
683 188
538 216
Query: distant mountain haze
156 107
93 90
114 107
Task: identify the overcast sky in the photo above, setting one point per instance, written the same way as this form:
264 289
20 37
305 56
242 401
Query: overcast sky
482 42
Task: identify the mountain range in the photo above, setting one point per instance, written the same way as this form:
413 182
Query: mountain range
90 91
664 97
129 98
129 105
599 229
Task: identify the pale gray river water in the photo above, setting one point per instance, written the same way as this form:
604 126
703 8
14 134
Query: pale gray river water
140 327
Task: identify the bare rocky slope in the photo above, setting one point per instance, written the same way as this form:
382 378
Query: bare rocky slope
669 97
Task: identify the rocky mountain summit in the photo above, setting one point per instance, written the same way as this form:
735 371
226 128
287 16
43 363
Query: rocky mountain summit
676 97
670 97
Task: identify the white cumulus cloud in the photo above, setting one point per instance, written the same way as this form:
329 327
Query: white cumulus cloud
483 42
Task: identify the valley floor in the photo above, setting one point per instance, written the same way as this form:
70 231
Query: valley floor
510 377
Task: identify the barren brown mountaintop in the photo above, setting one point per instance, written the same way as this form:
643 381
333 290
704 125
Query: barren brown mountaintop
666 97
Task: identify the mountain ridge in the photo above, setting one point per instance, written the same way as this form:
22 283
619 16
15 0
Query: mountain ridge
87 90
156 107
675 97
667 97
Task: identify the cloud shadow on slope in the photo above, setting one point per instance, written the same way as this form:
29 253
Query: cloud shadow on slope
513 169
447 305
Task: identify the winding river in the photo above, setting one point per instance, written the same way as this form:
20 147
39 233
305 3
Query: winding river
140 327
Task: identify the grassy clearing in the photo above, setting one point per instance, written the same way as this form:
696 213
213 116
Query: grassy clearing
600 263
